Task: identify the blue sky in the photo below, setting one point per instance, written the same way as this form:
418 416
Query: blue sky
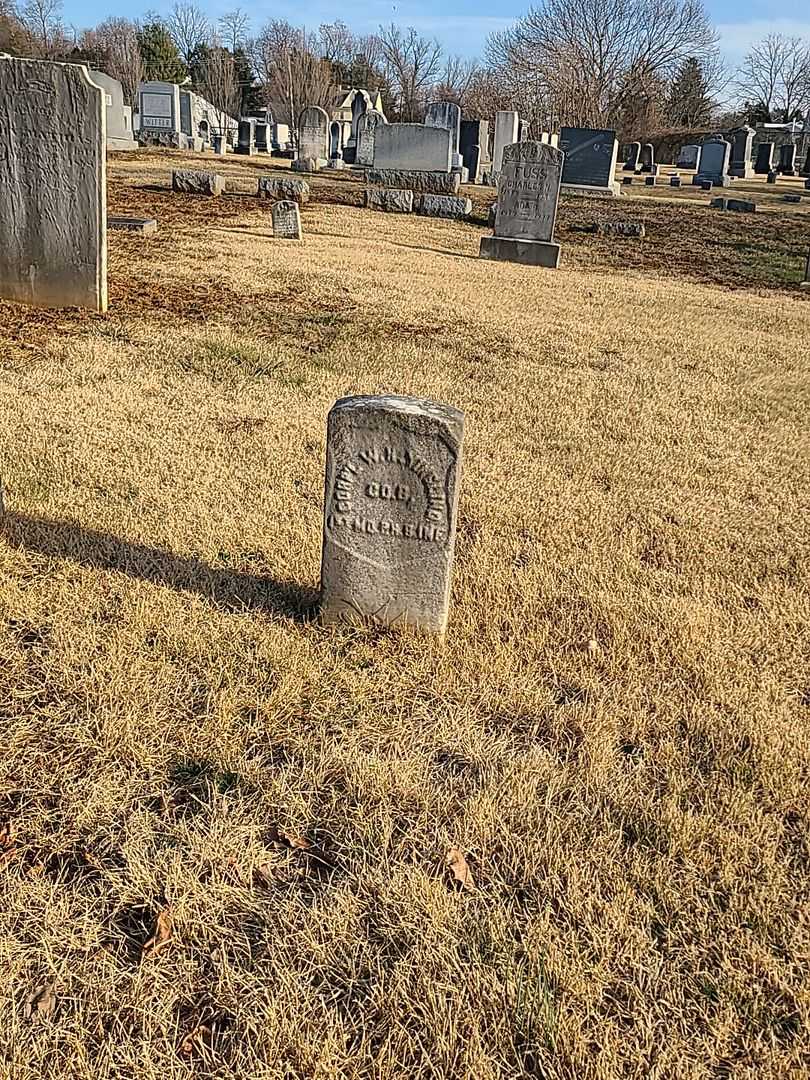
462 28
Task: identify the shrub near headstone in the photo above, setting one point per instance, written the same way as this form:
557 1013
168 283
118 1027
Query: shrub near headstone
393 466
53 212
528 193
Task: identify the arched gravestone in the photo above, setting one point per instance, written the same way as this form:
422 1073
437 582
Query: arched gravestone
528 193
53 182
360 105
313 134
367 136
764 162
335 141
633 158
648 158
393 466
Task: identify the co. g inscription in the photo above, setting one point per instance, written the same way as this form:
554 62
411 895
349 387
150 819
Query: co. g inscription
382 491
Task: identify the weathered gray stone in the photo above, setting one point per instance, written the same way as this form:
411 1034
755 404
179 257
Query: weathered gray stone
413 146
433 183
313 135
53 221
445 206
118 115
590 161
306 164
273 187
447 114
367 136
389 200
612 227
688 156
286 220
528 193
393 466
142 226
158 111
507 132
197 182
742 142
335 141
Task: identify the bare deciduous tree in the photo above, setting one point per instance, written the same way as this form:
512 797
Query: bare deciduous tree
234 26
115 41
42 20
190 29
218 83
776 74
456 80
287 63
412 64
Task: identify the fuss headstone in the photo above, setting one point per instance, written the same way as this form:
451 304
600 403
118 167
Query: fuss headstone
390 504
528 193
53 215
286 220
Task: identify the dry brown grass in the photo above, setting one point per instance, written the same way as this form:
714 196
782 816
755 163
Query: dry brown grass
614 733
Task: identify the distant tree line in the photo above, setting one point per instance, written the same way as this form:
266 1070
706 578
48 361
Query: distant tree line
642 66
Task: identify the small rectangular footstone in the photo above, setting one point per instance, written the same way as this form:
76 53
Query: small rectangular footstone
528 252
393 466
197 182
272 187
445 206
142 226
389 200
633 229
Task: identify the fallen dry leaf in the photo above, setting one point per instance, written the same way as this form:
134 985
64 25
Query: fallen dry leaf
41 1001
196 1040
164 931
461 872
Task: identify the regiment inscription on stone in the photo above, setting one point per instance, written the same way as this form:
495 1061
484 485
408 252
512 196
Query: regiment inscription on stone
390 511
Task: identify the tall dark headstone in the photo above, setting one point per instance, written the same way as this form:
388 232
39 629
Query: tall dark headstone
648 157
787 159
712 166
764 162
590 161
246 138
742 142
474 133
633 158
806 166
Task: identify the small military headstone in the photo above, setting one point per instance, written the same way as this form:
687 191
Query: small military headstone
633 157
286 220
787 159
528 193
391 494
197 182
764 163
647 157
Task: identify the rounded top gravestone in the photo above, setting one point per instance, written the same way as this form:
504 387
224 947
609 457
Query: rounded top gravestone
313 134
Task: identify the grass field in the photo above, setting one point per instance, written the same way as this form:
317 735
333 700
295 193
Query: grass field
225 831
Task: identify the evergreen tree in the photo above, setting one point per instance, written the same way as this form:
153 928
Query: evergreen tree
251 95
161 59
689 104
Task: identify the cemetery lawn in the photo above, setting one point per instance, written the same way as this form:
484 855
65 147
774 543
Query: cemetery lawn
225 831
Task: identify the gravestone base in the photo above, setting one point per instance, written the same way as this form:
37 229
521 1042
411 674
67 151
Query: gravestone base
742 172
115 143
444 206
717 181
674 181
308 164
526 252
588 191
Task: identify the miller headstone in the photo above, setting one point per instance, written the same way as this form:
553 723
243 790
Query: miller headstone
393 467
53 223
590 161
528 193
286 220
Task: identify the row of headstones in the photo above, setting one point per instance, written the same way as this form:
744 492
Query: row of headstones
711 159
